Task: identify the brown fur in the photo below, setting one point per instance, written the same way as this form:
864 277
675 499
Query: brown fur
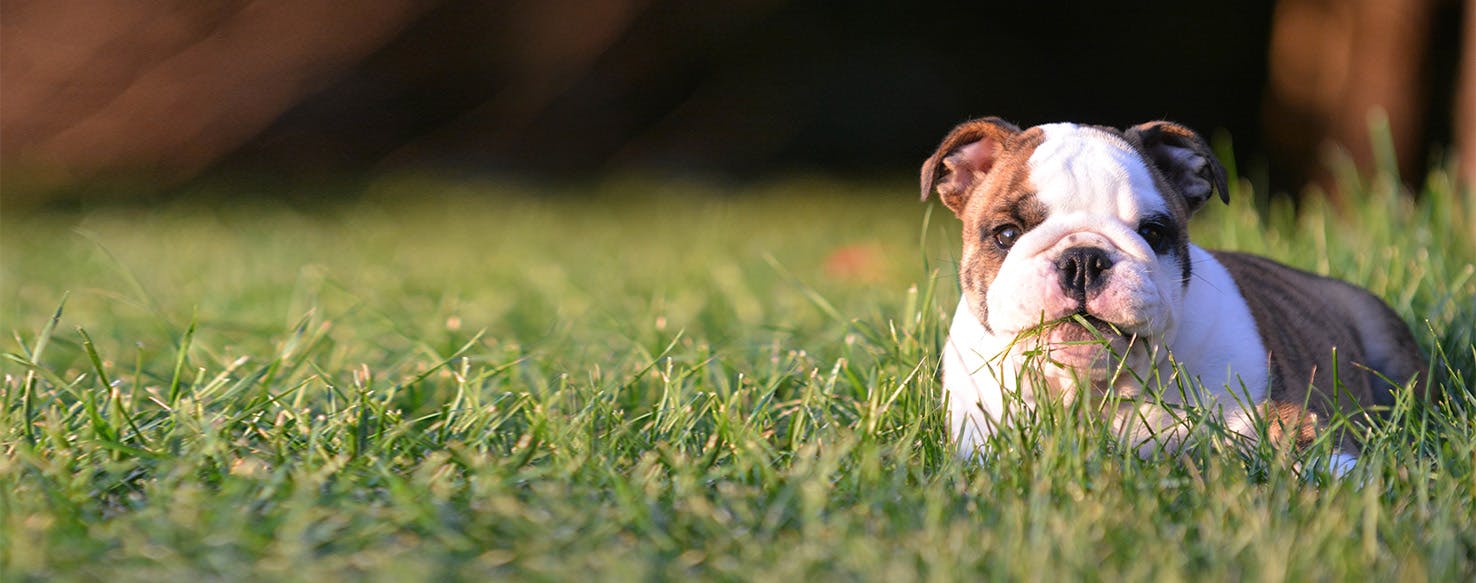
1303 319
1158 139
988 197
955 176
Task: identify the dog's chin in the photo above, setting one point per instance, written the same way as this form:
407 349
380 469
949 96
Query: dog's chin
1089 346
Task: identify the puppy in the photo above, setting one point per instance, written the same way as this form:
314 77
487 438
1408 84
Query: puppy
1079 279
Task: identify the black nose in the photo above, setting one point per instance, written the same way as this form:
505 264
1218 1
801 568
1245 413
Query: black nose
1082 268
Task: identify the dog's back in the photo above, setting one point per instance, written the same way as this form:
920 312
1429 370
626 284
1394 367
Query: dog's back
1371 342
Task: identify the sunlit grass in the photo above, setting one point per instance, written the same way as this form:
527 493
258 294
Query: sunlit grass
645 379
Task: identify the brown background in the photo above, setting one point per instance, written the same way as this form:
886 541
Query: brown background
162 93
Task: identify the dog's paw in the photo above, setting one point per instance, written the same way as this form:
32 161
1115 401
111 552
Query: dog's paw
1339 464
1336 466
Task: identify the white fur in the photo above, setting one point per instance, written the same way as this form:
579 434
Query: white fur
1086 171
1097 190
1217 346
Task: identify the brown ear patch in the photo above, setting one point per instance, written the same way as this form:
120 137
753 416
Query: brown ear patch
1184 160
1008 198
966 154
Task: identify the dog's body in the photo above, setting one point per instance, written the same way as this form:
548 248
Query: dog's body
1079 278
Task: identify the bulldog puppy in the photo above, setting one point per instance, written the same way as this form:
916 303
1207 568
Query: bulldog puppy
1079 280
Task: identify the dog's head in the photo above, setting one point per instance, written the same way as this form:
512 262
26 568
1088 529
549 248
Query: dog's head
1065 224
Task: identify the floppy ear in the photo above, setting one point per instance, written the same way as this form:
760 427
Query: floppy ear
1184 160
964 157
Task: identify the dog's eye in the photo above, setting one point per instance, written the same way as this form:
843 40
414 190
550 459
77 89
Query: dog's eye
1155 234
1005 236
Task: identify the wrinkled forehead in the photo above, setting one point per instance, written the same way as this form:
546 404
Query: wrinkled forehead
1083 169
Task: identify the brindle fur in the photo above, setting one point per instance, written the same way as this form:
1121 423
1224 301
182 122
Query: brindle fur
1304 319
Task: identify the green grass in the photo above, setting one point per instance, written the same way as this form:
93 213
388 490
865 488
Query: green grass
647 380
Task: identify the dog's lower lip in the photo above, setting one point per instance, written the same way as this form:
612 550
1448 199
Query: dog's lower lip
1083 341
1093 320
1089 322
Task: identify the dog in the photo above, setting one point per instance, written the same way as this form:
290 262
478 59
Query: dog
1079 279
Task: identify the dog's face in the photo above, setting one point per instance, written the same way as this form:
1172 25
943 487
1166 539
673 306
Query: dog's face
1067 224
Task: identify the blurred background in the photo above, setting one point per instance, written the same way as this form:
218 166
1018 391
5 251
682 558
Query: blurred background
165 94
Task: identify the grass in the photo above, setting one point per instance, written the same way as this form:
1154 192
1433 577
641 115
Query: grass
652 380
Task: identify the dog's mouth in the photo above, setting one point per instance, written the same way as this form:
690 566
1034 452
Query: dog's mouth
1085 328
1085 342
1077 327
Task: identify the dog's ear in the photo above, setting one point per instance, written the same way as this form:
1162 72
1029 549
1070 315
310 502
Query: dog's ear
965 156
1184 160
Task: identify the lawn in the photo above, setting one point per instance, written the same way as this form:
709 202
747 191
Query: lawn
641 379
